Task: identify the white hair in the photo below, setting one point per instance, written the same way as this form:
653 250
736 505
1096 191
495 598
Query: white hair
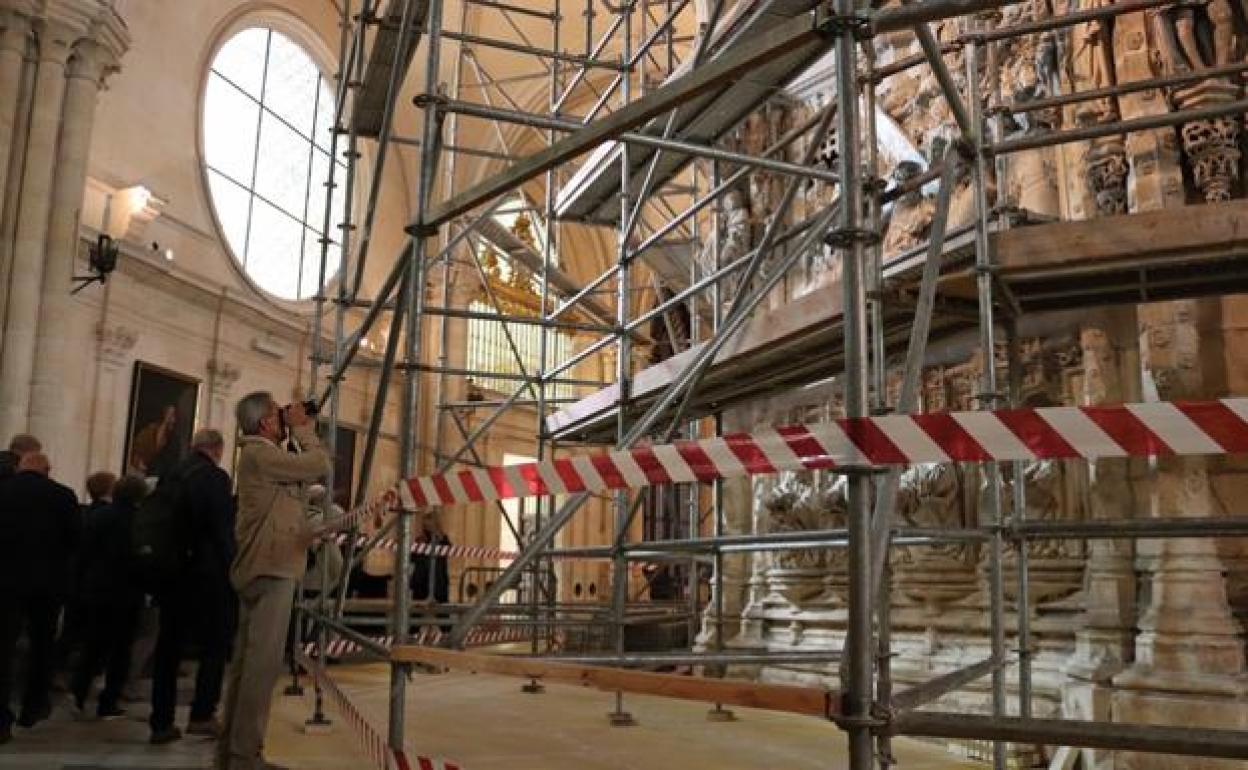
207 438
251 409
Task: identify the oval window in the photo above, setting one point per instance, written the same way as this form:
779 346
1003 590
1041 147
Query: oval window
268 110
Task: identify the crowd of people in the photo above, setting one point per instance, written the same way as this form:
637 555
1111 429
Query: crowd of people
217 560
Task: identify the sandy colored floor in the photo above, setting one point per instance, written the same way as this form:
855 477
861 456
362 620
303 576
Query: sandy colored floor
483 723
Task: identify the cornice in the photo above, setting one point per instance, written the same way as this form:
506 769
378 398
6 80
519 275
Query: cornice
71 17
111 32
139 265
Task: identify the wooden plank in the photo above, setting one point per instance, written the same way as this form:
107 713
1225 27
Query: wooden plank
784 37
1104 243
809 701
370 104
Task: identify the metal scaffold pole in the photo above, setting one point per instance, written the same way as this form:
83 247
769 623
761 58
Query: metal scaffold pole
849 236
989 396
623 367
409 415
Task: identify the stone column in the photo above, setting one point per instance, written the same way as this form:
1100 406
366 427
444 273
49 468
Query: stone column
63 332
26 277
9 194
1103 643
14 36
1156 179
1189 657
222 377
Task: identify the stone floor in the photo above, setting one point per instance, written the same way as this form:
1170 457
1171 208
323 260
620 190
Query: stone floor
483 723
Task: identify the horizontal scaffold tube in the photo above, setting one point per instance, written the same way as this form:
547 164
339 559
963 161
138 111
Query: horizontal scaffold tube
810 701
1192 741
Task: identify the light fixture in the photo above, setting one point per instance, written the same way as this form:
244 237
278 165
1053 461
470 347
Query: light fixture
102 260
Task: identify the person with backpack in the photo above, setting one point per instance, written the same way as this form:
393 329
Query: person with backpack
111 598
274 535
195 600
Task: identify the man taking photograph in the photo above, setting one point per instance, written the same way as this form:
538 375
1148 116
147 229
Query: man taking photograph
273 537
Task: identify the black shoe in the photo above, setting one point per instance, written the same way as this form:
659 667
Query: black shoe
108 713
6 734
34 716
162 737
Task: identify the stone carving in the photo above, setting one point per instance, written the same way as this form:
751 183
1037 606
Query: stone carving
1194 37
222 375
1106 173
933 497
1212 148
115 343
805 501
911 219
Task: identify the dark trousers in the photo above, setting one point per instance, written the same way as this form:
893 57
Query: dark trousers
74 634
36 613
200 610
109 636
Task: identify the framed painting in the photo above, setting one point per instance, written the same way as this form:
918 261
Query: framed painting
161 420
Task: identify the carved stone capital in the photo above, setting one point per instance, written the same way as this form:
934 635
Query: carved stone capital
91 61
14 32
115 344
56 40
1106 172
222 376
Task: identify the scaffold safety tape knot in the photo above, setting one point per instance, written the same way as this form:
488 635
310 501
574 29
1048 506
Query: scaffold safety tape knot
1155 429
372 740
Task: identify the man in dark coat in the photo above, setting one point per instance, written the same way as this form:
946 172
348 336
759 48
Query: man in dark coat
110 597
198 605
21 444
74 626
40 525
430 580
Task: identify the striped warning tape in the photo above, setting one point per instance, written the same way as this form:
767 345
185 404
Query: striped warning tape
477 637
383 756
1130 430
428 549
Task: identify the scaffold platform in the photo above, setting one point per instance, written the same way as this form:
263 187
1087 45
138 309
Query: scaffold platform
1179 253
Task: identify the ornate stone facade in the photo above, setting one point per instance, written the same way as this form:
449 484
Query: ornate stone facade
1122 630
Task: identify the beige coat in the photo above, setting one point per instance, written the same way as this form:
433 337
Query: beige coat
272 530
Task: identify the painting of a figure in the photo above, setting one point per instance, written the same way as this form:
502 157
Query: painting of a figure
162 419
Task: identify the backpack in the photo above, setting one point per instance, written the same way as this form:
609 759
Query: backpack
159 541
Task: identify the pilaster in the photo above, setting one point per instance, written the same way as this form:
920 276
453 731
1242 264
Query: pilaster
56 42
1189 657
113 355
54 410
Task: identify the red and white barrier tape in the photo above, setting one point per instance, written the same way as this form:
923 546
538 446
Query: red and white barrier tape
1130 430
371 739
427 549
477 637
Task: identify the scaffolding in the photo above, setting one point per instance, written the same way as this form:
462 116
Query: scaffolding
621 167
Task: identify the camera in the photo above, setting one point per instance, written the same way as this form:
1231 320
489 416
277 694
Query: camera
310 408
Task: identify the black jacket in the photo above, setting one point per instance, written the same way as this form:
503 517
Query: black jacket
441 575
40 526
210 512
8 465
106 566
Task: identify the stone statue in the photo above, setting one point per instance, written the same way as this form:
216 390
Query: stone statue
1211 146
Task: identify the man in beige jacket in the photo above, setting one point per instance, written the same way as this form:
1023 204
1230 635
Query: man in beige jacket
274 535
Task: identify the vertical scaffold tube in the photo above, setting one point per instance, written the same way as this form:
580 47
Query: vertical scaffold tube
619 572
408 440
858 642
989 397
